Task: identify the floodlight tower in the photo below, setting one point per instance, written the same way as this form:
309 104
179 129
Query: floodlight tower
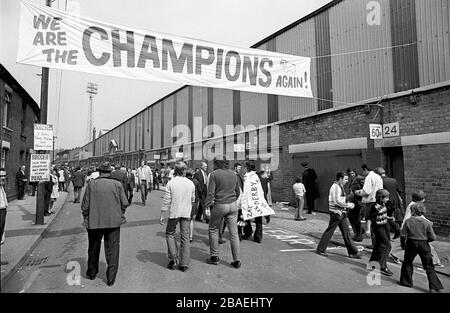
92 89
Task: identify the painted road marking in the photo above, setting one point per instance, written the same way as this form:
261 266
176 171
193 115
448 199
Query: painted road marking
312 249
30 280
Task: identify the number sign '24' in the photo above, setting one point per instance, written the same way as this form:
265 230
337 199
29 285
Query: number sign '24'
391 130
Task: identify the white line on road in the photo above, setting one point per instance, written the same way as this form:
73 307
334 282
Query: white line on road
30 280
313 249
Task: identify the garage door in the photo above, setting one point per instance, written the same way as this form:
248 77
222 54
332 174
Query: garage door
326 165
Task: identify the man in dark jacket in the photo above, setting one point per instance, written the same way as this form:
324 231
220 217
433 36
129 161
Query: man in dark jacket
21 180
394 208
103 210
201 177
78 181
309 178
131 183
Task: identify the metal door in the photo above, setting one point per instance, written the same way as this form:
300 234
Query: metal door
326 165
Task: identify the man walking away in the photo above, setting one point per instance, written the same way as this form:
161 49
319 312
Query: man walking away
156 179
178 200
129 187
339 208
394 204
78 181
201 177
309 178
103 210
223 192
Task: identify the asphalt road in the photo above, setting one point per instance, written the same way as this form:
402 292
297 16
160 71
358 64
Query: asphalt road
284 262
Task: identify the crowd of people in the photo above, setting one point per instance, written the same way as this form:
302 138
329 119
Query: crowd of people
370 203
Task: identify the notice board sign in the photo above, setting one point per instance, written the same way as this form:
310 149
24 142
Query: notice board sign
43 137
39 167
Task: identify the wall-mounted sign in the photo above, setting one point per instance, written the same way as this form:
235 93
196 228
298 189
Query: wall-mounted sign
43 137
179 154
156 157
39 167
391 130
376 131
239 148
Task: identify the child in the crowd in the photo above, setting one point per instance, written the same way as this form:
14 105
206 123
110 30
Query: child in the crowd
299 190
416 234
380 228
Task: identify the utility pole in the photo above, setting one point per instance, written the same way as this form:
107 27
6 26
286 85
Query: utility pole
92 89
40 196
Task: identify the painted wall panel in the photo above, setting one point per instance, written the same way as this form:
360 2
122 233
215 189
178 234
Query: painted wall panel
147 129
433 40
133 127
223 108
253 109
182 106
299 40
200 107
168 121
157 126
360 75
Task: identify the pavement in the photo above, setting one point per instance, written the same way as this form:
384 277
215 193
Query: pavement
22 235
315 225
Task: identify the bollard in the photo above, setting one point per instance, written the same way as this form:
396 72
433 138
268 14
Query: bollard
40 203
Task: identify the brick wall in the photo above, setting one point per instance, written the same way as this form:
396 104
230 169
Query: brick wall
18 141
426 167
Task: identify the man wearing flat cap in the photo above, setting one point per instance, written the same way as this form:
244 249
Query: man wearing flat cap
309 178
103 210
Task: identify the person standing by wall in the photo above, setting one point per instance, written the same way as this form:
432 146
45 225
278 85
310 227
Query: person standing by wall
21 180
3 204
178 200
299 191
309 179
103 209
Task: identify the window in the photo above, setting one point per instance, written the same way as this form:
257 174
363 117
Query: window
3 158
6 109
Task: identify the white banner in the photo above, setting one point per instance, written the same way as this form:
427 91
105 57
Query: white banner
253 203
40 167
56 39
43 137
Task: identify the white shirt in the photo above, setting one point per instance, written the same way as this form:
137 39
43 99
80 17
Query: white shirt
178 198
61 176
372 183
299 189
145 173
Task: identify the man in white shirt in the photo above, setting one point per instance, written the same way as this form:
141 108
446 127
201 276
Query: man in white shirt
372 183
145 178
61 179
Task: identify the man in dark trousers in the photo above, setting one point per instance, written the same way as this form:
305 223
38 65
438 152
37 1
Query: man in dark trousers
78 180
103 210
119 174
129 187
309 178
201 177
394 204
21 180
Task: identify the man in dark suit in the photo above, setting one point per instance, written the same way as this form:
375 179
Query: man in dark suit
78 181
309 178
130 184
103 210
201 177
119 174
21 180
394 207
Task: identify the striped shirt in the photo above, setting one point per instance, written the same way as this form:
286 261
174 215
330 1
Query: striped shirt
378 214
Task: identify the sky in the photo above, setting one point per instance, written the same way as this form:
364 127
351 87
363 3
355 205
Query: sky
239 23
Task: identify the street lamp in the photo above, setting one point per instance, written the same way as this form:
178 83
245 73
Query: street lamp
92 89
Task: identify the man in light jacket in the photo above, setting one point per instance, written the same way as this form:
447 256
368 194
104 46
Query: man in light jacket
178 200
145 179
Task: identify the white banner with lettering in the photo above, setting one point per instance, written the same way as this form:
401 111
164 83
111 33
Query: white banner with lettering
39 167
43 137
57 39
253 203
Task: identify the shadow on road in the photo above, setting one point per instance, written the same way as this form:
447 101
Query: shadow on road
158 258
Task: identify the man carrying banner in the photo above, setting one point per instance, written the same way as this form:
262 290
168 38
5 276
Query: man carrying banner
253 203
